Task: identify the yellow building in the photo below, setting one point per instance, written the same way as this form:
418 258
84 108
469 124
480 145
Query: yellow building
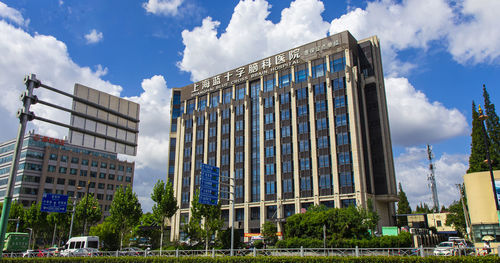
481 204
438 220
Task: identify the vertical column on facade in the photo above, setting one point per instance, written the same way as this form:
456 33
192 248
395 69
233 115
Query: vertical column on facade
354 128
277 150
312 138
331 131
219 130
231 148
295 143
248 156
193 156
176 184
262 155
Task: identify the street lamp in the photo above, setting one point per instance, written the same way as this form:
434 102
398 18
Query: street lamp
482 118
85 210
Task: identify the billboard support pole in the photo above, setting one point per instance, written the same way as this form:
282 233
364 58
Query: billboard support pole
24 118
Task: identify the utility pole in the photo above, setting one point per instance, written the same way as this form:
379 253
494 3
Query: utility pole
72 218
24 116
432 179
466 212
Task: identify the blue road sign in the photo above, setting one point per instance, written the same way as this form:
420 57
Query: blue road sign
54 203
208 200
209 185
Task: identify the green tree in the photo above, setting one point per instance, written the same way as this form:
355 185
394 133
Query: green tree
224 239
149 228
269 230
36 220
125 211
108 234
478 151
88 209
61 221
493 129
165 204
16 211
205 221
456 217
403 207
423 208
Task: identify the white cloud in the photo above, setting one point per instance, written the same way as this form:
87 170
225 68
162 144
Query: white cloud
12 15
162 7
249 36
410 24
155 123
412 169
466 28
93 37
49 59
477 38
415 120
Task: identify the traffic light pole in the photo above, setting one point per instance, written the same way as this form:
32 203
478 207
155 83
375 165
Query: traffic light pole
23 115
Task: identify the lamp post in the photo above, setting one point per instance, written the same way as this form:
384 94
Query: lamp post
29 239
482 118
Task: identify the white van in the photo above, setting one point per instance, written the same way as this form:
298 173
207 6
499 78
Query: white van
75 243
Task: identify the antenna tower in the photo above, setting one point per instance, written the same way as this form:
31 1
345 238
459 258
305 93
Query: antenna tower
432 179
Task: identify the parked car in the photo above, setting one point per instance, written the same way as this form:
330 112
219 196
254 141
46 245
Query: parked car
85 252
34 253
444 249
132 251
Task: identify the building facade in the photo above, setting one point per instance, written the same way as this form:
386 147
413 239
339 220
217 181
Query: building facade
304 127
483 214
49 165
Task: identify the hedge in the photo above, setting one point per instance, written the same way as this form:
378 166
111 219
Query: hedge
401 240
249 259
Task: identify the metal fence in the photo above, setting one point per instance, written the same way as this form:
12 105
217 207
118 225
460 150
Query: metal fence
339 252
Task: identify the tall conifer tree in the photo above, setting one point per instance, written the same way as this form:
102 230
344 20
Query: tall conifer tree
493 128
477 150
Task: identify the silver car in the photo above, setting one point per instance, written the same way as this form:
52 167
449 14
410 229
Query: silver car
85 252
444 249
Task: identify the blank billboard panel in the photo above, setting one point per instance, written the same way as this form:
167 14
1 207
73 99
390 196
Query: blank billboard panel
103 121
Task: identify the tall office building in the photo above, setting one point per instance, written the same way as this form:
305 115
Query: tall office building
303 127
49 165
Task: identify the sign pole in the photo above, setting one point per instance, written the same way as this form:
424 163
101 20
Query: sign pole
23 117
232 220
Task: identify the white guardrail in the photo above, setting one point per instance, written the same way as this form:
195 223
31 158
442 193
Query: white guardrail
342 252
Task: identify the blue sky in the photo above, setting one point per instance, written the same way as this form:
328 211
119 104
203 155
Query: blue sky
436 55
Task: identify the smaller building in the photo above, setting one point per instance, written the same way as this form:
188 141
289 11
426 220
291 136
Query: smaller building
481 204
49 165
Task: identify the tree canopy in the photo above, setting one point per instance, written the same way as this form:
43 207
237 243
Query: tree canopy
125 211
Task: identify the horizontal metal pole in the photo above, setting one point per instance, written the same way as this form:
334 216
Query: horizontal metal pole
84 131
226 177
83 115
95 105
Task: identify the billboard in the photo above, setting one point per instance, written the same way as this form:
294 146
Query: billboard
103 121
497 188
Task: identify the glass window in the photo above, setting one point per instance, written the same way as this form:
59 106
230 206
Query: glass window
271 212
302 93
286 148
305 183
102 175
287 186
62 170
269 83
323 161
301 73
341 120
321 124
214 101
319 88
318 68
53 157
240 92
93 174
285 98
337 64
85 162
304 164
94 164
304 145
73 171
270 187
71 182
285 131
286 167
64 158
302 110
270 151
200 120
269 118
338 84
340 102
74 160
320 106
303 127
51 168
49 180
322 142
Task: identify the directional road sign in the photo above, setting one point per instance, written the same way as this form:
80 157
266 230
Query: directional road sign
54 203
209 185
